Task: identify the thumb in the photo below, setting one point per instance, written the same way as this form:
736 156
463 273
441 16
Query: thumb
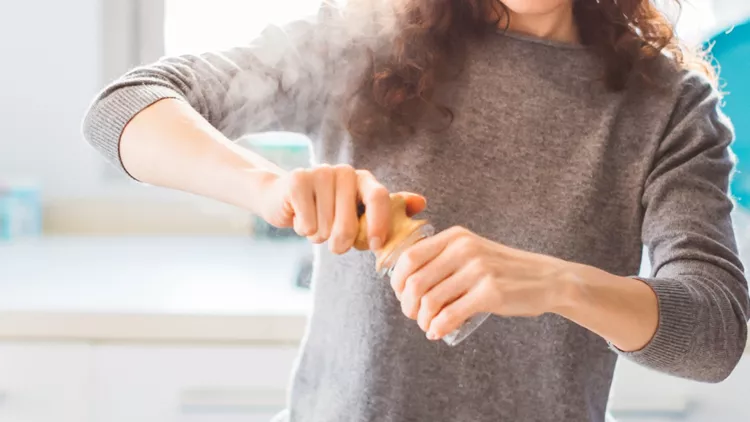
414 203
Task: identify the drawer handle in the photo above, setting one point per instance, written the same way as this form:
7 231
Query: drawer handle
242 400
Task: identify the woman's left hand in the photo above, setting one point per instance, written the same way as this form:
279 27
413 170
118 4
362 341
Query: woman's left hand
444 280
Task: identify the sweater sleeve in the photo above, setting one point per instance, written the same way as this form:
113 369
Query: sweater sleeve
687 228
277 82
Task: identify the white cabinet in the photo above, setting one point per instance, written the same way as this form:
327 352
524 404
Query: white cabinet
75 382
637 390
59 382
42 382
190 384
642 395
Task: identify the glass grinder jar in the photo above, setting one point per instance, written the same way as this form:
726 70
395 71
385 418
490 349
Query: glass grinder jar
404 233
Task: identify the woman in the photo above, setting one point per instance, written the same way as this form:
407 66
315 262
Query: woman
551 137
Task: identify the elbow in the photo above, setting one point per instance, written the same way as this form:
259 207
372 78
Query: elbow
100 129
707 355
717 372
720 364
731 358
112 110
97 132
96 120
87 124
702 332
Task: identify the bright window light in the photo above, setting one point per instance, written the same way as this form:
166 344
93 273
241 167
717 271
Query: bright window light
696 21
204 25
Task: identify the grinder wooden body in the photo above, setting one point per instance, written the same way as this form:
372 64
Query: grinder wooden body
402 226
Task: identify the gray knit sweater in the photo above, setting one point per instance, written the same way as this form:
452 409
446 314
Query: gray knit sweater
540 157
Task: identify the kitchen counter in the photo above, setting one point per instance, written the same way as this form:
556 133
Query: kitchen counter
143 289
190 289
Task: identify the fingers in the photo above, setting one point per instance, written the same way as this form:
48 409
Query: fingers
456 313
324 182
303 201
346 224
426 250
410 288
414 203
378 204
324 202
442 295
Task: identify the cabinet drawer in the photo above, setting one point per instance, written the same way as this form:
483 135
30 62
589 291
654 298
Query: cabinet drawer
42 382
190 384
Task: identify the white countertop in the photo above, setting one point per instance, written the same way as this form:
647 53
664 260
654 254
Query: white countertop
142 289
156 289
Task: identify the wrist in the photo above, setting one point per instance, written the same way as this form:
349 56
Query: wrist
249 187
567 289
622 310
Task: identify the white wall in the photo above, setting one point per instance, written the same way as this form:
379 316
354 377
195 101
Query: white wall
50 71
53 64
730 12
52 67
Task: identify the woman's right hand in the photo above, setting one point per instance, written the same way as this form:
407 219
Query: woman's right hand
321 204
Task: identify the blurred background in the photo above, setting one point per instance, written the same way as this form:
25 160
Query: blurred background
123 302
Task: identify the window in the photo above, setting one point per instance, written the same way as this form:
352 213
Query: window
695 19
224 23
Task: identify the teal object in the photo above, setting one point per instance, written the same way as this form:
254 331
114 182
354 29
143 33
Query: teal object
20 212
732 51
288 151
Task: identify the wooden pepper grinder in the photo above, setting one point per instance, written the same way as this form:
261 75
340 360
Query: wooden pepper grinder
404 232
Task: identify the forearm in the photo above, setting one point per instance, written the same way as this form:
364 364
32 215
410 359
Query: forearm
686 324
169 144
622 310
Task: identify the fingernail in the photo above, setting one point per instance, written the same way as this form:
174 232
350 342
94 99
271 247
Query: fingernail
431 336
375 243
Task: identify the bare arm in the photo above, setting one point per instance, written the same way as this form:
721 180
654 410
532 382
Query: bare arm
170 144
171 123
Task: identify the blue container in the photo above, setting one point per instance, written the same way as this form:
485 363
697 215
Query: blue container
732 50
20 212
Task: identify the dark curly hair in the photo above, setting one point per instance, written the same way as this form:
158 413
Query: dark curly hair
430 38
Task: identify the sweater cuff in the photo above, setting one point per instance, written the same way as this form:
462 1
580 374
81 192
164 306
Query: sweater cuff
677 320
107 118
